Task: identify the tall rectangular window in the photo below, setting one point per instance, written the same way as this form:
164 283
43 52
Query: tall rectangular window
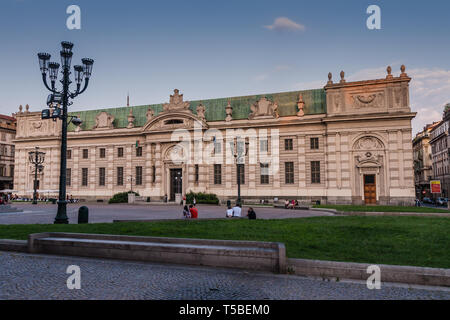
120 176
315 171
101 176
240 173
314 142
289 172
69 154
264 173
288 144
11 171
85 153
196 173
153 174
68 177
217 147
263 145
217 174
102 153
120 152
84 177
139 152
138 176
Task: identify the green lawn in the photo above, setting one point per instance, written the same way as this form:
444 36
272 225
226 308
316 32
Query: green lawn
381 208
415 241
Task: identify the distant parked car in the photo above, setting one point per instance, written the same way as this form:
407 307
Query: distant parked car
442 201
428 200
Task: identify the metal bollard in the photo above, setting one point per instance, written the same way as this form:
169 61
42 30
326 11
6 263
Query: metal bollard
83 215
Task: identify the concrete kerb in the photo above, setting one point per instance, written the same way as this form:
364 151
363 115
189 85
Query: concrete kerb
358 271
393 214
13 245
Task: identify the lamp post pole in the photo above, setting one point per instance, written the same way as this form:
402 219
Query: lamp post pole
62 97
37 158
239 153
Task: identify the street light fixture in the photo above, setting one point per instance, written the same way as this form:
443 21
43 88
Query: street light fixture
239 150
37 158
59 98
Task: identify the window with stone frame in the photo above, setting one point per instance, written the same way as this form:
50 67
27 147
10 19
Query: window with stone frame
68 177
85 153
153 174
120 152
120 176
289 172
101 177
314 143
69 154
240 172
315 171
288 144
196 173
217 174
264 176
102 153
263 145
139 152
138 175
84 177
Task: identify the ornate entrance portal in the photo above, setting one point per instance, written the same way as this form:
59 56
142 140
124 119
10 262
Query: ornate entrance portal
370 189
176 183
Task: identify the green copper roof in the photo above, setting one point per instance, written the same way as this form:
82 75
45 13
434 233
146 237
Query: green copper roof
315 103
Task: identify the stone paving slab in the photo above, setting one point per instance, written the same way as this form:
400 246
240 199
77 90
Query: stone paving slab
28 276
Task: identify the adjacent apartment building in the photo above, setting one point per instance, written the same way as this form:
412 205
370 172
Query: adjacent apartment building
7 151
440 152
423 161
347 142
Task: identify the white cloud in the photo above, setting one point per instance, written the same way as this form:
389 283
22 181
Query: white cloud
285 24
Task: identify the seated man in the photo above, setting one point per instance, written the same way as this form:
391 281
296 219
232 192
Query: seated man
194 212
237 211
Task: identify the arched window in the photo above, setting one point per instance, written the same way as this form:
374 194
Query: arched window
173 121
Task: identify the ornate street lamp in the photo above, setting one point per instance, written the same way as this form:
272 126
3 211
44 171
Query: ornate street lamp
59 98
37 158
239 150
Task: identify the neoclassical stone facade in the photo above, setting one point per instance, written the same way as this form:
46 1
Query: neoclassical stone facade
349 142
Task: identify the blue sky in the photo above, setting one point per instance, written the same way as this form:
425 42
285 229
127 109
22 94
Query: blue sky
211 49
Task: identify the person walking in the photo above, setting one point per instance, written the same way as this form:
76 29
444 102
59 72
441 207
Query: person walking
194 212
186 212
251 214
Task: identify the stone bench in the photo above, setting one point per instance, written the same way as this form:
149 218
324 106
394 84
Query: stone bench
299 207
262 256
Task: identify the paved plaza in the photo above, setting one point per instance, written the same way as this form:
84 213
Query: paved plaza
28 276
45 213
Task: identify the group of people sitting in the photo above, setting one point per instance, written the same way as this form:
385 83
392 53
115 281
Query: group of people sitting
290 204
191 212
237 210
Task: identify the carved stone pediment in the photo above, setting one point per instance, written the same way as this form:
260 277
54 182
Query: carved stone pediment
264 108
103 121
368 143
176 154
368 100
176 103
174 120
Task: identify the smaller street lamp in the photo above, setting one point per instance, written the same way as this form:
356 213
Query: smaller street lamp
37 158
239 150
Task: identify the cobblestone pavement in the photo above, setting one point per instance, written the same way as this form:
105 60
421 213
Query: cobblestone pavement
45 213
27 276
